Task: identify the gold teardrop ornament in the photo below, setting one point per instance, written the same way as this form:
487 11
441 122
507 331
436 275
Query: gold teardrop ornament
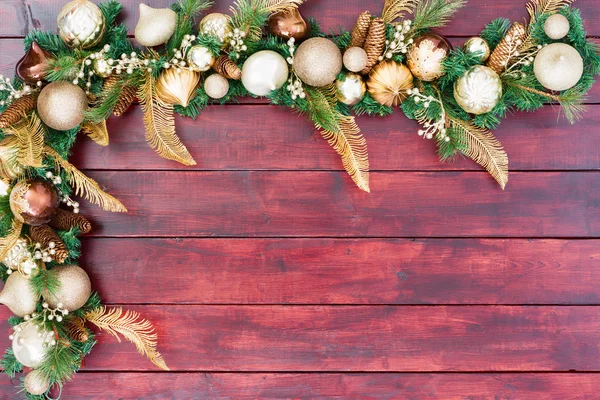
388 83
175 87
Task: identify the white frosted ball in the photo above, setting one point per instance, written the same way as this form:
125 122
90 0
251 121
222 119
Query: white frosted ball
263 72
355 59
216 86
558 67
557 26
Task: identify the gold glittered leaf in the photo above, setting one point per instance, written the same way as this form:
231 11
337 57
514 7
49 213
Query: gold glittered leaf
484 149
160 125
85 186
97 132
274 6
29 133
138 331
395 9
8 241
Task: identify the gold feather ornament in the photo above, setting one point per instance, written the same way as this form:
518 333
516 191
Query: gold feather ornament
97 132
29 134
177 87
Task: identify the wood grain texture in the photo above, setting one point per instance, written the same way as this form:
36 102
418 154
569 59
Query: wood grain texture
337 271
17 17
361 338
222 386
309 204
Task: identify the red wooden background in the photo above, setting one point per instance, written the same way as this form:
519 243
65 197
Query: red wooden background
269 275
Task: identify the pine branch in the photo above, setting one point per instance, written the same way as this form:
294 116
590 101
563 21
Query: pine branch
434 14
186 11
10 365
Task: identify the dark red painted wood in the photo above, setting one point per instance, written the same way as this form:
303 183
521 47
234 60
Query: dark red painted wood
402 204
361 338
452 386
335 271
17 17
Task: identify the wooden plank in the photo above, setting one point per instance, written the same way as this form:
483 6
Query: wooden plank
361 338
18 17
450 386
334 271
301 204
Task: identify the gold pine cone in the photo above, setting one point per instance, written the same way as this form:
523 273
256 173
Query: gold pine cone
126 99
43 234
17 110
227 68
360 30
500 57
65 220
175 87
374 44
388 83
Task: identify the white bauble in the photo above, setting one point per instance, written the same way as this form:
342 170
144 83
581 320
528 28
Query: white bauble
155 26
216 86
200 58
36 382
558 67
557 26
263 72
18 296
479 90
30 344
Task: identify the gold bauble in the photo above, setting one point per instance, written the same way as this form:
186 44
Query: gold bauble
478 47
175 87
355 59
19 258
216 86
317 62
61 105
479 90
75 288
10 167
217 25
388 83
18 296
155 26
557 26
102 68
350 88
263 72
558 67
36 382
426 55
81 24
200 58
31 343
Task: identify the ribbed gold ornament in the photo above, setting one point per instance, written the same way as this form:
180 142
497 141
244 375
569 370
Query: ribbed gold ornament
507 47
360 30
17 110
374 44
226 67
81 24
388 83
44 235
173 87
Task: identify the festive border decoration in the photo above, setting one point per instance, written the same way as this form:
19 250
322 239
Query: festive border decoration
72 82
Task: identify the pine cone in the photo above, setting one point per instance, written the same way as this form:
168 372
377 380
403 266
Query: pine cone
17 110
505 50
43 234
374 44
361 29
65 220
127 98
226 67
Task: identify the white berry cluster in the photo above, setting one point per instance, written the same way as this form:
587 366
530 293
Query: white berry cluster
14 94
431 127
50 314
47 336
294 83
399 44
57 180
179 58
236 42
45 255
20 258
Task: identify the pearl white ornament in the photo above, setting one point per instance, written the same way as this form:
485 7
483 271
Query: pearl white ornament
200 58
479 90
216 86
30 344
18 296
558 67
263 72
355 59
557 26
155 26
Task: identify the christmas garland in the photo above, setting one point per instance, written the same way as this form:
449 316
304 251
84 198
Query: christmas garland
73 81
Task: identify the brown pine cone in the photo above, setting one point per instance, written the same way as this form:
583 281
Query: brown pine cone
374 44
360 30
17 110
127 98
64 220
226 67
44 235
500 57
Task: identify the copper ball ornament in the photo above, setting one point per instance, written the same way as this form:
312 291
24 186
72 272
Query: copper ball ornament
317 62
61 105
289 24
478 48
34 201
389 82
426 55
33 67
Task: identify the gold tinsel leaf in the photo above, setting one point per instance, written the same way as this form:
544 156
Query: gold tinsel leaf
395 9
85 186
160 125
8 241
275 6
10 168
29 133
138 331
97 132
484 149
77 330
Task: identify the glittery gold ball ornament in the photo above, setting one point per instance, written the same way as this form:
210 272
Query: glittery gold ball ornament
36 383
355 59
30 344
388 83
175 87
81 24
264 71
18 296
478 47
200 58
155 26
558 66
217 25
350 88
557 26
216 86
479 90
317 62
102 68
61 105
75 288
426 55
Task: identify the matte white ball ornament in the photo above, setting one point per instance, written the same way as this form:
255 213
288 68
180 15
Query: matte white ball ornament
216 86
557 26
558 67
155 26
263 72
